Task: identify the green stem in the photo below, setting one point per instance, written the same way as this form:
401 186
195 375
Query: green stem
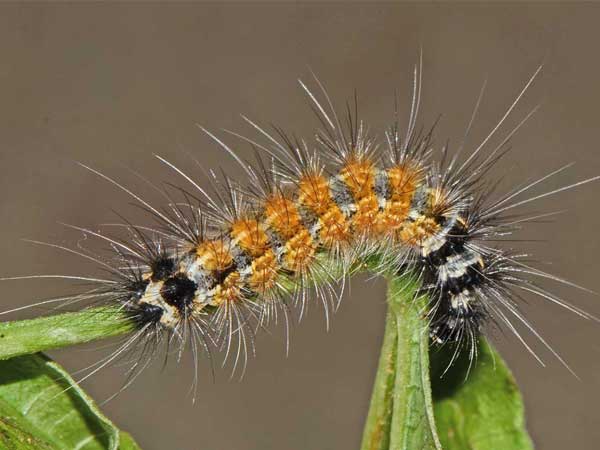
401 412
45 333
379 421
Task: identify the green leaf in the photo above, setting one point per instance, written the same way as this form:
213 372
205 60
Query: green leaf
127 442
41 407
43 333
16 433
401 412
481 411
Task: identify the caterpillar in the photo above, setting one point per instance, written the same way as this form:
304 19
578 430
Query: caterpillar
218 263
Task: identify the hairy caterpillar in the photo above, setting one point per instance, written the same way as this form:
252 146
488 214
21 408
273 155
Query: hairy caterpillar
220 262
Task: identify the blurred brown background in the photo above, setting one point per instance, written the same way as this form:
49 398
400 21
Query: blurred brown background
109 85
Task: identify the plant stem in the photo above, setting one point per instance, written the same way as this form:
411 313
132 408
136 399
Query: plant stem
45 333
377 429
401 411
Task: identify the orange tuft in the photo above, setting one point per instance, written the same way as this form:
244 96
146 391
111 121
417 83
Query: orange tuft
403 180
392 217
415 233
367 211
229 290
281 215
334 227
215 255
314 193
300 251
264 272
358 175
250 235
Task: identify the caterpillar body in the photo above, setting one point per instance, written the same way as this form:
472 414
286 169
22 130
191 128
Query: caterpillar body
222 259
361 209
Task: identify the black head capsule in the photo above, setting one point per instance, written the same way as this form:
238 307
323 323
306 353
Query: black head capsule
149 313
178 291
